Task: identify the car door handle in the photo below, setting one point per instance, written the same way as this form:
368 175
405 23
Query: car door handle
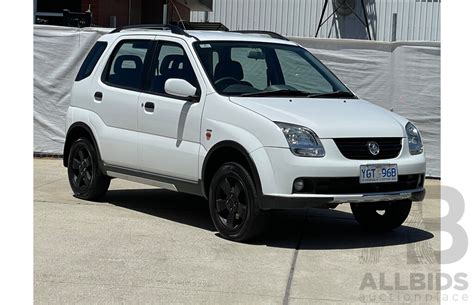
98 96
149 107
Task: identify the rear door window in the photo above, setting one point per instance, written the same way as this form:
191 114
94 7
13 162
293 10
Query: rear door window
126 66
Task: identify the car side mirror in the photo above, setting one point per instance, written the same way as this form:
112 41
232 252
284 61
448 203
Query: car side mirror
181 88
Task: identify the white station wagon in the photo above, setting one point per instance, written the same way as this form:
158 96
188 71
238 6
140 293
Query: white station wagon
250 121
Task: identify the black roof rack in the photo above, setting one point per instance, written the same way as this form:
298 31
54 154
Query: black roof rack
180 27
173 28
201 26
217 26
271 34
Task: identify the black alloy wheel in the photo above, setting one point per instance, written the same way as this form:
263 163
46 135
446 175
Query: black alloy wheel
82 168
233 203
85 178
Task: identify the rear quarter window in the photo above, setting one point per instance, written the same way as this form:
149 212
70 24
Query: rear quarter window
91 60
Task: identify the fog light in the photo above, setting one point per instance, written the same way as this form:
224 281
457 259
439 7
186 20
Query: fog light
298 185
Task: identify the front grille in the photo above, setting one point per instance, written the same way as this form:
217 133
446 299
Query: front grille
351 185
357 148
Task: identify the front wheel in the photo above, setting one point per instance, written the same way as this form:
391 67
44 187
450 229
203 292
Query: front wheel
86 180
381 216
233 203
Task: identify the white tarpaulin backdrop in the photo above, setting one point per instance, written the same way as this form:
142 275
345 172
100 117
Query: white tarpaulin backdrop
401 76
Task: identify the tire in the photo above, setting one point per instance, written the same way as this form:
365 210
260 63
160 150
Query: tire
381 216
86 180
233 203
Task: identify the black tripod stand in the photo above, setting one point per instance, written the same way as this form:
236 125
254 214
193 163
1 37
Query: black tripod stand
365 22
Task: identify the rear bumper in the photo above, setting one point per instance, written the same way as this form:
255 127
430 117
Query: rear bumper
302 201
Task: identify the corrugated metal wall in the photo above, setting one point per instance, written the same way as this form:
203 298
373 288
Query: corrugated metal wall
417 20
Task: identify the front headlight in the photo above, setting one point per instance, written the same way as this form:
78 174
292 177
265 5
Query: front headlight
303 142
414 139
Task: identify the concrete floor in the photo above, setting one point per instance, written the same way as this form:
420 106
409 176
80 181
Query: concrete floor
144 245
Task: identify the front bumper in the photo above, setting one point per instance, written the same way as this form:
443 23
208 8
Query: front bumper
302 201
278 168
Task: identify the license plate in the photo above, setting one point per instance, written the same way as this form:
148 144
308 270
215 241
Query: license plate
376 173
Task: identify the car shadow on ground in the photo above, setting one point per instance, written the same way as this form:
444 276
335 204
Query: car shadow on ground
307 229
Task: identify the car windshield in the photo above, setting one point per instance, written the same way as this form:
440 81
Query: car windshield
267 69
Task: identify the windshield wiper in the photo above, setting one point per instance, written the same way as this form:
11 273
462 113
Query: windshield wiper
281 92
290 92
332 94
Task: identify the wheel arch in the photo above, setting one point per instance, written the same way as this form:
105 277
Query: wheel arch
76 131
227 151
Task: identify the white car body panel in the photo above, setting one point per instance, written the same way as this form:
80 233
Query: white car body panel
169 137
329 118
231 122
115 115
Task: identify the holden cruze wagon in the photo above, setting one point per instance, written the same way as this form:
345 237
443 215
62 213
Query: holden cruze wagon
250 121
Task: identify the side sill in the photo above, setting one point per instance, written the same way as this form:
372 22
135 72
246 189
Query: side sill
167 182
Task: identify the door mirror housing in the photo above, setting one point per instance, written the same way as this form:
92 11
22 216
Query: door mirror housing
181 88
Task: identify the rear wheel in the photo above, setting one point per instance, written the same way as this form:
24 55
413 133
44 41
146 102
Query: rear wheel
233 203
86 180
381 216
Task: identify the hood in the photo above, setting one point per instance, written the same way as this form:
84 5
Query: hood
329 118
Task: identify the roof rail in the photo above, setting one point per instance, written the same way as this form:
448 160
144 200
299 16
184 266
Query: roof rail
271 34
173 28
